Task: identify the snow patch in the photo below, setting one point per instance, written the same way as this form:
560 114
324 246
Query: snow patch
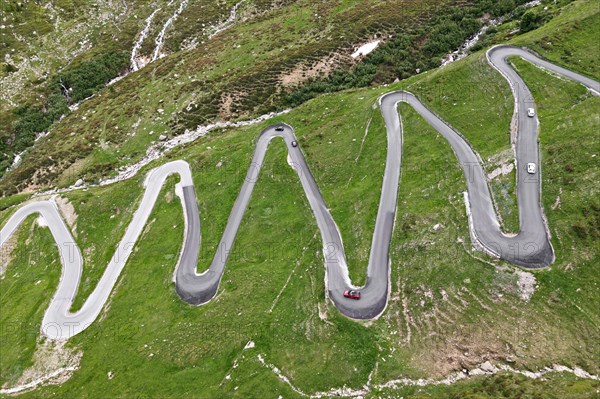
366 49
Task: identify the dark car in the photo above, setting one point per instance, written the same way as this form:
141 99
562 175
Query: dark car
294 143
279 128
352 294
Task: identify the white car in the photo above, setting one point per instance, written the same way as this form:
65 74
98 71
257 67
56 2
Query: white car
531 168
530 112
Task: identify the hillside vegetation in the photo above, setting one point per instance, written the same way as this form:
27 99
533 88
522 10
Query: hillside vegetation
57 53
272 56
451 307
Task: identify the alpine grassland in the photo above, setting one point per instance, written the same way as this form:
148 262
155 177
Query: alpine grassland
270 331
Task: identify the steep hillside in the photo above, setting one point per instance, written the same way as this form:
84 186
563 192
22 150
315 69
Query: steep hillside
272 56
270 332
56 53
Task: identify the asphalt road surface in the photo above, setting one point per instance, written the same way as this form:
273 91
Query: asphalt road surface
59 322
530 248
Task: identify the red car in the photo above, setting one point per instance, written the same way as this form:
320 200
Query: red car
352 294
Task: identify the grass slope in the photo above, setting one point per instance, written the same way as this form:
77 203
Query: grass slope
458 307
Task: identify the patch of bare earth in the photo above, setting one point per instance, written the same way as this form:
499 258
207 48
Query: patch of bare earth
305 71
513 334
461 352
228 102
67 210
225 111
500 164
53 363
517 282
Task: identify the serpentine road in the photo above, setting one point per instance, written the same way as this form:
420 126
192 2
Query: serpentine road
530 248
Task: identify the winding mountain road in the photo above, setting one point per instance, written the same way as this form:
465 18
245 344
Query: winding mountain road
530 248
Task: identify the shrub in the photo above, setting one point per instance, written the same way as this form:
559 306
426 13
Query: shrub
90 76
530 21
31 120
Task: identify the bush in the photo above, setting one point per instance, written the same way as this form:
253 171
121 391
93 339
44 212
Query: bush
31 120
476 47
503 7
90 76
530 21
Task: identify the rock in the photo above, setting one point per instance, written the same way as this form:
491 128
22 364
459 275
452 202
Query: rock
438 226
160 111
219 164
79 182
487 367
162 137
526 283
